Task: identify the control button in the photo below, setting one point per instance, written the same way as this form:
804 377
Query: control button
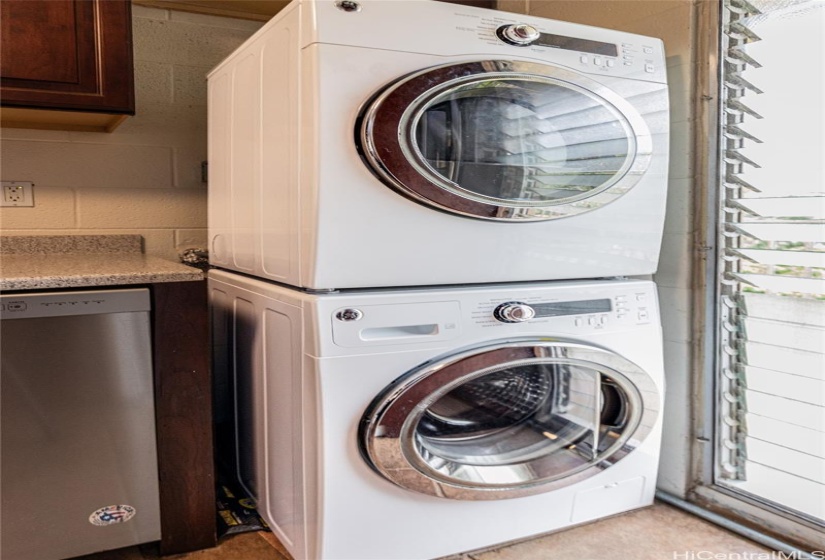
583 59
627 57
641 297
16 306
597 60
603 320
649 68
578 321
648 50
643 316
611 63
520 34
591 321
621 315
621 298
349 315
514 312
348 6
627 63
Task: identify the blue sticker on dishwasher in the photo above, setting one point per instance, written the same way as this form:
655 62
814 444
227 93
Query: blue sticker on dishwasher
110 515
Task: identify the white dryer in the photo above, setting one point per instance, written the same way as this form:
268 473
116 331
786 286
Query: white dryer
413 424
408 143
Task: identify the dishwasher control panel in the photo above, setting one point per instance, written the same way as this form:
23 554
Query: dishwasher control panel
61 304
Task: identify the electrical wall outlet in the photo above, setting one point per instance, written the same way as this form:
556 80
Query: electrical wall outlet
17 193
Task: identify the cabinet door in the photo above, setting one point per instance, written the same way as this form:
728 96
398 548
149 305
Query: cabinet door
67 54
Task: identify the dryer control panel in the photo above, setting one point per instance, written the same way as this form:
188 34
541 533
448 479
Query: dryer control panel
584 49
602 56
449 30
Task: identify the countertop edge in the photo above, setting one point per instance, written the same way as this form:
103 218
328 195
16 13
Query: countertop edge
88 281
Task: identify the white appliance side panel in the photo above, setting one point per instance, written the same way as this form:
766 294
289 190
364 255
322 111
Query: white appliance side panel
245 160
220 196
281 326
219 318
370 236
310 142
253 154
279 192
313 454
263 355
247 384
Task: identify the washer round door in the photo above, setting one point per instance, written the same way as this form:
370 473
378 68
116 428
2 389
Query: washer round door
509 419
504 140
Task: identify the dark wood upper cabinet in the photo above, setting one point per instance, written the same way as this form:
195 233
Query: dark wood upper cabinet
66 61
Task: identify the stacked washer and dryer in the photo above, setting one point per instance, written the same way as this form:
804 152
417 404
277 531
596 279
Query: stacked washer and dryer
422 218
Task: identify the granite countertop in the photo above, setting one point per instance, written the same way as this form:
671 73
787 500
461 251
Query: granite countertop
71 261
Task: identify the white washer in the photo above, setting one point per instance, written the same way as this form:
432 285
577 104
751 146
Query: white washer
415 143
412 424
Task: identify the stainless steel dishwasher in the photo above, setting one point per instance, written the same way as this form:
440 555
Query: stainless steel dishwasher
79 461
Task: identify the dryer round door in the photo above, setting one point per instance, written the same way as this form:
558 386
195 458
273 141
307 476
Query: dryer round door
509 419
504 140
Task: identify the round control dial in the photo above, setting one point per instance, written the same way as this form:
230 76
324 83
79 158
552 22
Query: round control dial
514 312
520 34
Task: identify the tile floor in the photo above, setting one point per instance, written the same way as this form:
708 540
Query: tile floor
660 532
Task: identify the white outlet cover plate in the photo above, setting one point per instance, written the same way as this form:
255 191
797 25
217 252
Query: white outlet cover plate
17 193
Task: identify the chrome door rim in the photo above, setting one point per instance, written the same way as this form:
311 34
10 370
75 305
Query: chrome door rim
388 426
389 121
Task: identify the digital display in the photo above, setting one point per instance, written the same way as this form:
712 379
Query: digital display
576 44
562 308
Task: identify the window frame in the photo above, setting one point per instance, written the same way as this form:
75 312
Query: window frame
748 510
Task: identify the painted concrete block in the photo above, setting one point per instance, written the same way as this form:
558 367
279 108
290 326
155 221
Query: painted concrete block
182 43
54 208
64 164
141 208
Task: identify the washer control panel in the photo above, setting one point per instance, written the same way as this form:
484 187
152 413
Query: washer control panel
631 308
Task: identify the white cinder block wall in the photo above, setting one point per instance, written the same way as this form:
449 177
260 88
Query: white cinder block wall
145 177
673 21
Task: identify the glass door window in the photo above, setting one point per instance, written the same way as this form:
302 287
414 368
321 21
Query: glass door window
522 141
